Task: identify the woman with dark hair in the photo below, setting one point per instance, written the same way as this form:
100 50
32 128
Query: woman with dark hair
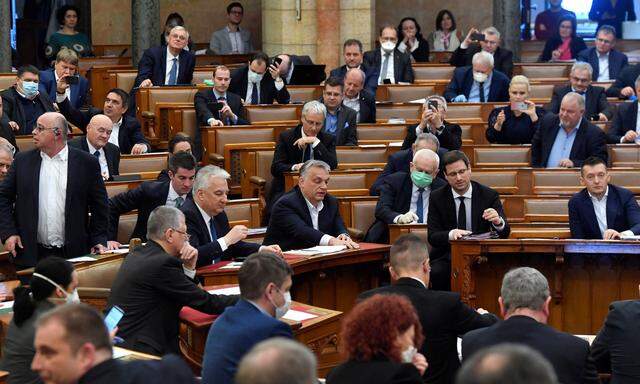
565 44
54 281
67 36
446 37
380 338
410 40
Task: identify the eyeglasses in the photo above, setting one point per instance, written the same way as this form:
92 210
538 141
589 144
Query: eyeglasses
183 233
40 129
460 172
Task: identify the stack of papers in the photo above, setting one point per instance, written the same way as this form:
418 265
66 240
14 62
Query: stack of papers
318 250
226 291
82 259
257 231
232 265
294 315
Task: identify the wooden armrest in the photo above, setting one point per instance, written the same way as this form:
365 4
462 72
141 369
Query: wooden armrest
257 180
94 292
356 234
216 158
148 115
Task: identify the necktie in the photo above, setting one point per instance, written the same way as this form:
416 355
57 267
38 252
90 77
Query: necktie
462 214
227 121
307 153
173 73
179 201
419 206
481 86
254 94
96 154
212 230
385 66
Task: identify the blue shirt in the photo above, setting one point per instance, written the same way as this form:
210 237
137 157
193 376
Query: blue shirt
562 145
474 93
331 123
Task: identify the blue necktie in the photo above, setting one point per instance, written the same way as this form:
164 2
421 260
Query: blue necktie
419 206
173 73
212 230
254 95
96 154
227 121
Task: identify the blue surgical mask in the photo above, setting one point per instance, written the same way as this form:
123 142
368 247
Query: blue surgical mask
255 77
30 88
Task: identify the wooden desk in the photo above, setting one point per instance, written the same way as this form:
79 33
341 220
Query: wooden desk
132 355
584 275
330 281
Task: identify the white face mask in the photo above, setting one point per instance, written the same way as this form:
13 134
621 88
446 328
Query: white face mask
480 77
388 46
408 354
280 311
254 77
69 297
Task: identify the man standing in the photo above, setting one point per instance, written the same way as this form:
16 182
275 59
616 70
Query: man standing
66 68
357 98
340 121
231 39
503 58
391 65
602 210
353 59
478 83
252 82
607 63
547 21
96 142
47 196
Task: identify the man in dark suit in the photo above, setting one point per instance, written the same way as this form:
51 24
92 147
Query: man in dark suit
265 285
155 281
297 145
404 196
624 126
66 69
56 185
613 13
567 139
340 121
433 121
151 194
612 60
357 98
24 102
524 304
596 105
256 86
442 315
478 83
391 65
288 64
125 131
503 58
353 58
207 223
307 215
459 209
624 86
602 210
96 142
6 132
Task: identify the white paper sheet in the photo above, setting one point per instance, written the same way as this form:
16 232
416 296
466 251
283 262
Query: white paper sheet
6 304
318 250
83 259
257 231
294 315
120 352
232 265
226 291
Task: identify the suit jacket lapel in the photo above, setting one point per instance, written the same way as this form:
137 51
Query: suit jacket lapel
579 139
405 193
110 165
468 82
305 210
396 65
163 57
595 63
476 213
492 87
72 163
613 202
35 178
340 120
590 212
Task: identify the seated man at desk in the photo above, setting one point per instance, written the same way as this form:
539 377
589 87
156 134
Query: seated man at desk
208 225
358 98
255 85
96 142
404 197
340 121
307 215
478 83
602 210
265 285
625 126
432 120
565 140
459 209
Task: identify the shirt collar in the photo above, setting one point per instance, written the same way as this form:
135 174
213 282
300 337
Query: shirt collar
382 52
311 207
418 280
574 128
93 149
466 194
170 56
173 194
219 95
119 123
349 99
204 214
606 194
63 155
601 56
259 308
25 96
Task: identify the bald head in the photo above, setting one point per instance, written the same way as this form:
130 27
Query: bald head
571 110
99 131
353 82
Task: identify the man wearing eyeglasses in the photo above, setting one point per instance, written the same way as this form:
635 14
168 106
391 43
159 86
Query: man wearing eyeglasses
231 39
457 210
607 63
490 43
96 142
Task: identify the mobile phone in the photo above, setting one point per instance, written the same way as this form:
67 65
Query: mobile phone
433 105
519 106
477 37
75 79
113 317
276 61
386 81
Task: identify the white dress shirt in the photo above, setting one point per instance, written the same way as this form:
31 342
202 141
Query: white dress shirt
115 132
236 40
173 195
413 206
167 70
603 66
67 92
600 208
251 87
207 219
315 213
52 197
353 104
104 168
637 123
390 72
467 205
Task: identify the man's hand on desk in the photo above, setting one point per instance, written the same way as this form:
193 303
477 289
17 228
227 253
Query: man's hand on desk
611 234
455 234
11 243
113 245
237 233
344 240
189 256
139 149
146 83
98 249
275 248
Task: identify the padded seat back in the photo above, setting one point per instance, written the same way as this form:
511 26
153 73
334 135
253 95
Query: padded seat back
266 113
99 275
444 72
25 143
302 94
361 155
152 162
381 133
496 156
556 182
242 212
363 214
407 93
347 181
398 111
545 71
263 167
505 182
125 80
625 156
189 122
547 210
7 80
541 91
126 224
200 76
627 179
464 111
169 95
242 135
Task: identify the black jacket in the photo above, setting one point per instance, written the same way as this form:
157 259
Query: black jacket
443 317
171 369
371 76
379 371
462 82
568 354
12 108
596 101
576 46
86 194
421 54
450 137
111 153
502 58
625 119
151 288
268 91
346 126
617 62
402 70
367 112
626 78
153 66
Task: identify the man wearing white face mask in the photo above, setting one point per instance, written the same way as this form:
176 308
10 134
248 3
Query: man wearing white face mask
478 83
255 85
265 284
23 103
392 66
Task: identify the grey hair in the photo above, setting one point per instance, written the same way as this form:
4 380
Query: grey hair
277 360
637 83
8 148
441 101
524 287
608 29
491 31
304 170
314 106
205 174
161 219
577 97
359 71
179 28
581 66
429 137
427 153
60 122
483 57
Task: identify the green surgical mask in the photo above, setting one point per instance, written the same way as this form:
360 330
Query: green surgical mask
421 179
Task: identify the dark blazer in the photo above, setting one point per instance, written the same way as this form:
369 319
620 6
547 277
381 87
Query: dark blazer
151 288
402 70
86 194
208 250
171 369
596 101
626 78
370 76
78 91
616 345
421 54
617 61
129 134
515 130
589 141
623 11
12 108
268 91
153 66
145 198
346 127
502 58
286 155
299 60
232 335
568 354
397 162
462 82
450 137
443 317
367 107
576 46
623 213
378 371
111 153
625 119
290 224
395 199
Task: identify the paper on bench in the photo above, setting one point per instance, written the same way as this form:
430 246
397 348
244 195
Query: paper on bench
232 265
120 352
294 315
256 231
226 291
627 237
318 250
83 259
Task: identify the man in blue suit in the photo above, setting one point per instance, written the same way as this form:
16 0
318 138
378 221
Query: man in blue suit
602 210
265 284
607 63
478 83
353 58
66 67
